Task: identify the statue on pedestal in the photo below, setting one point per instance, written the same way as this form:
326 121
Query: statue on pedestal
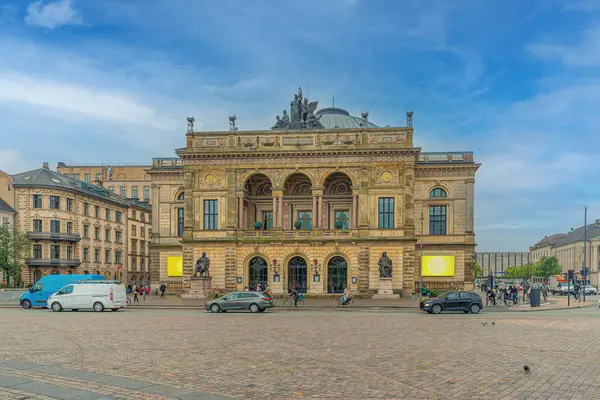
202 265
385 266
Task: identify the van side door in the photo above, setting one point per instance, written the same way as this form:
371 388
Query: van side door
65 295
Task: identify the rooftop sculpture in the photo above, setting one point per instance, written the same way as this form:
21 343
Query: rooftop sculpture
301 116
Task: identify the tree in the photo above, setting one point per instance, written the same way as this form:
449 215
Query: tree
548 266
14 247
477 270
513 272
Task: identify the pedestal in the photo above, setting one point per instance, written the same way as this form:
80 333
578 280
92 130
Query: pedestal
201 288
316 287
277 287
385 291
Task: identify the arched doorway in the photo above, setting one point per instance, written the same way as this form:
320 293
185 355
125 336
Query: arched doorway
257 273
297 272
37 275
337 275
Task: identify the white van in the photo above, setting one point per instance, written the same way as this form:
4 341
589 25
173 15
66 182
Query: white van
96 295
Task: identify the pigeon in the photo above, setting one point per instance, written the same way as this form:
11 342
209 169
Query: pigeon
484 323
526 368
493 323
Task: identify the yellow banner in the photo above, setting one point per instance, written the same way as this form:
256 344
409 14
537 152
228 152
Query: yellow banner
438 265
175 266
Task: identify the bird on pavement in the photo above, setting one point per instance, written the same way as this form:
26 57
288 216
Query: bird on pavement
484 323
493 323
526 368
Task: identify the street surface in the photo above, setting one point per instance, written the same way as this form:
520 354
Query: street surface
190 354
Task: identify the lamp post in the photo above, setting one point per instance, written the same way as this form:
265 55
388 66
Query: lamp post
584 272
421 260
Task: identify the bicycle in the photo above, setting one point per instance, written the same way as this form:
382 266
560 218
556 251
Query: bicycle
338 302
288 302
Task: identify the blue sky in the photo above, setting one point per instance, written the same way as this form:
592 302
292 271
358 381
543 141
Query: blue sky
517 82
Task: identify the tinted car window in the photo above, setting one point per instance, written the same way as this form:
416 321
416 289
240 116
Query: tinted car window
231 296
452 296
248 295
37 287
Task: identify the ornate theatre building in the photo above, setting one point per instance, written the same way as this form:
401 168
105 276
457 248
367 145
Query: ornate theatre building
313 203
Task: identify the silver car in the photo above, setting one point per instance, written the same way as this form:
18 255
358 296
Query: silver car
253 301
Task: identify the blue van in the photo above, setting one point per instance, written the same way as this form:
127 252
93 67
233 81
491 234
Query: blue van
38 294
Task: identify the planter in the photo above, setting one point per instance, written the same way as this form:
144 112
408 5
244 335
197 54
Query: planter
339 225
297 224
258 225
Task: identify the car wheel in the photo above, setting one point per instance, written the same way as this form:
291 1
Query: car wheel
215 308
26 304
436 309
114 309
254 308
98 307
75 309
475 308
56 307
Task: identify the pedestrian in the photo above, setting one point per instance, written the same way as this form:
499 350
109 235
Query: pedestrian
216 291
163 287
545 292
135 293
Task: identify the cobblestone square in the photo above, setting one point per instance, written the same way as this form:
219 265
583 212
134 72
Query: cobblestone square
187 354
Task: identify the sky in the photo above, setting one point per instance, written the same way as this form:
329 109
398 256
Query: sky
516 82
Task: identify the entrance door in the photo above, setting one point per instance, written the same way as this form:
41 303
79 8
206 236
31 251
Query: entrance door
257 274
337 275
297 274
37 275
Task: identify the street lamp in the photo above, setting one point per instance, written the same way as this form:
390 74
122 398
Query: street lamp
421 259
584 269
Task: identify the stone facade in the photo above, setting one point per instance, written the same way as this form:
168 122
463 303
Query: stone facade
356 193
139 219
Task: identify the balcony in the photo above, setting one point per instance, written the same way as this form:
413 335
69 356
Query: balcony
446 157
167 163
52 262
300 234
65 237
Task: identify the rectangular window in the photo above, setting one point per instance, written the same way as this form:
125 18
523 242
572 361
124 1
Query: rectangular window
37 251
69 204
86 231
117 257
180 222
118 237
386 213
107 214
123 191
55 202
77 176
111 189
142 267
133 246
97 211
142 217
118 216
107 235
98 176
341 219
55 251
133 214
107 256
54 226
97 233
146 192
87 177
134 192
97 255
86 254
142 247
211 215
133 230
69 227
37 201
437 220
37 225
267 220
133 263
142 232
86 209
305 218
69 252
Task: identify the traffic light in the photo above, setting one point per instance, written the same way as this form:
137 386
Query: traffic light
571 275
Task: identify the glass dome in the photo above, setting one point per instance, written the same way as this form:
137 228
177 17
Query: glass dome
338 118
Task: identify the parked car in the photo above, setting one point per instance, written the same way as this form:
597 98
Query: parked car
590 290
38 294
453 301
95 295
252 301
561 288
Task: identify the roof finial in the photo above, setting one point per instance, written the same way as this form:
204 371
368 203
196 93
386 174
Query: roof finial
232 127
409 119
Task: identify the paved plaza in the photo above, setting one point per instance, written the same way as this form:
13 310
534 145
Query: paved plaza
190 354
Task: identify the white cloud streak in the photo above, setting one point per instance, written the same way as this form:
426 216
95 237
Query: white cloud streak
52 15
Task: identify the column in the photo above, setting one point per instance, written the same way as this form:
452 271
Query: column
354 211
315 211
470 205
275 224
320 211
280 212
155 209
240 213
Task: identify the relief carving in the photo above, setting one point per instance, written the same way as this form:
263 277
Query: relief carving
269 141
210 142
305 160
395 138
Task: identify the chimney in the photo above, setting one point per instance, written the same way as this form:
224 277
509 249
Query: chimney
45 165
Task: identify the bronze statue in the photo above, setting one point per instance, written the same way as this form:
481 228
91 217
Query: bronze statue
385 266
301 116
202 265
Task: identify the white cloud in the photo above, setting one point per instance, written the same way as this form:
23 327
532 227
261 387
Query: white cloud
584 54
52 15
12 161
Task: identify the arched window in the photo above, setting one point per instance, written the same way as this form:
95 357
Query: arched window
437 192
181 196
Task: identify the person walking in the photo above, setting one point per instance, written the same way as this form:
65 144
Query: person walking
163 288
215 292
135 293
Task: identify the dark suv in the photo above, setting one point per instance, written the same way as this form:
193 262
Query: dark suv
453 301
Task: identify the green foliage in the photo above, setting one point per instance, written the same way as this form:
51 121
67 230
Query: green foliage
544 268
477 270
14 247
